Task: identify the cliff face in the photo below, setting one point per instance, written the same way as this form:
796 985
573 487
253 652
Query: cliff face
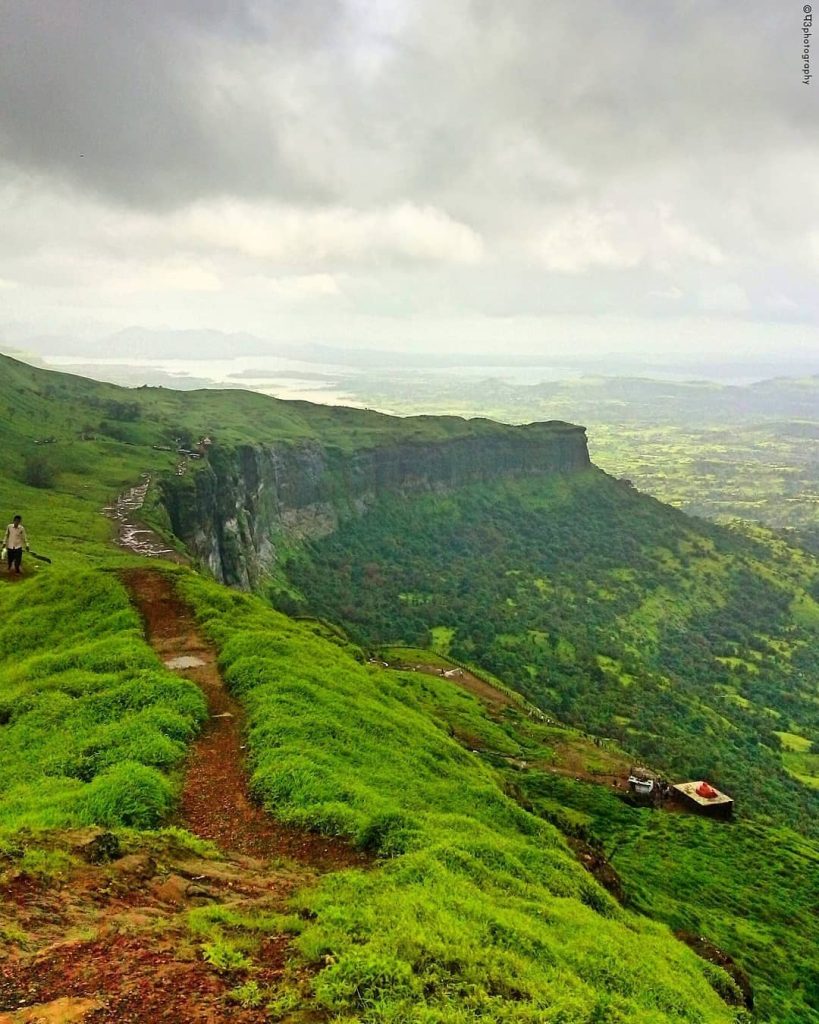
235 509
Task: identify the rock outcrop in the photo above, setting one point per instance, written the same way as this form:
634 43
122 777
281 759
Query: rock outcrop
242 504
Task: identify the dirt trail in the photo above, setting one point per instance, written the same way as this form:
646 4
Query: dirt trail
466 680
215 802
105 938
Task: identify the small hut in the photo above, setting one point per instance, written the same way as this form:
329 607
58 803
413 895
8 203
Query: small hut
702 798
643 782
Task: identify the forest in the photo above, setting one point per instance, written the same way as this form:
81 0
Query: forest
690 644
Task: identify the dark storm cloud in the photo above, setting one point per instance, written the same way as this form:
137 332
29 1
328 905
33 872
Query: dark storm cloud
161 102
133 100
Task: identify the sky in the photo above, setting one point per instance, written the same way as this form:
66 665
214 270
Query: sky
635 176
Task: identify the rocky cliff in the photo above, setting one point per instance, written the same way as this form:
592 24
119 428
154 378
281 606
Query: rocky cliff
238 507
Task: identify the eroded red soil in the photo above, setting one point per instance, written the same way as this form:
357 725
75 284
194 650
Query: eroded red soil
110 944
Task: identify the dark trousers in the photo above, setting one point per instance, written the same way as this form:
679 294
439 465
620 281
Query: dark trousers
15 557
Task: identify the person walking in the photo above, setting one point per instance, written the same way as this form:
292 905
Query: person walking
14 541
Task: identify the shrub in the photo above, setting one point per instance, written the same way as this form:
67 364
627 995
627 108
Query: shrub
129 794
389 834
249 995
224 957
39 471
362 978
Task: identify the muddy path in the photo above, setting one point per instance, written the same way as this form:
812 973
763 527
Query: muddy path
216 803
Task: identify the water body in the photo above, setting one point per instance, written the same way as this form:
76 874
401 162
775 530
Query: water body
343 384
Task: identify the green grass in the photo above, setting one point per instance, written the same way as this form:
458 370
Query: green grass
804 766
686 642
749 887
480 911
410 655
792 741
441 638
93 726
43 403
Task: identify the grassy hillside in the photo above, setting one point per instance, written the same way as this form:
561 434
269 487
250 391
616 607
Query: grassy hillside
750 889
480 911
687 642
44 403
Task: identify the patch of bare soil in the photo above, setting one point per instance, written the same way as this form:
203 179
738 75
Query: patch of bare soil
109 943
595 862
706 949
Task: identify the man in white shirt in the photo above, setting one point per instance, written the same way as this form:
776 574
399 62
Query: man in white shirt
15 540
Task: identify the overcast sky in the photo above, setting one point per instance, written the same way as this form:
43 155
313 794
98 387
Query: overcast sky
624 175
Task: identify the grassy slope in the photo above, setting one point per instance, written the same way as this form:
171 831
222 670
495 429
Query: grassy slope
43 403
687 642
481 912
751 889
92 725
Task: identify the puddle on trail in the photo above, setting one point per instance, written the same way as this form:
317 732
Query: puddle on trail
184 661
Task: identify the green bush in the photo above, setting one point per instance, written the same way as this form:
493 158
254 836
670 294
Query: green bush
39 471
248 995
225 957
389 834
129 794
362 979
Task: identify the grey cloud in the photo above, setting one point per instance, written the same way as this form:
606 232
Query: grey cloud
624 157
161 102
131 99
